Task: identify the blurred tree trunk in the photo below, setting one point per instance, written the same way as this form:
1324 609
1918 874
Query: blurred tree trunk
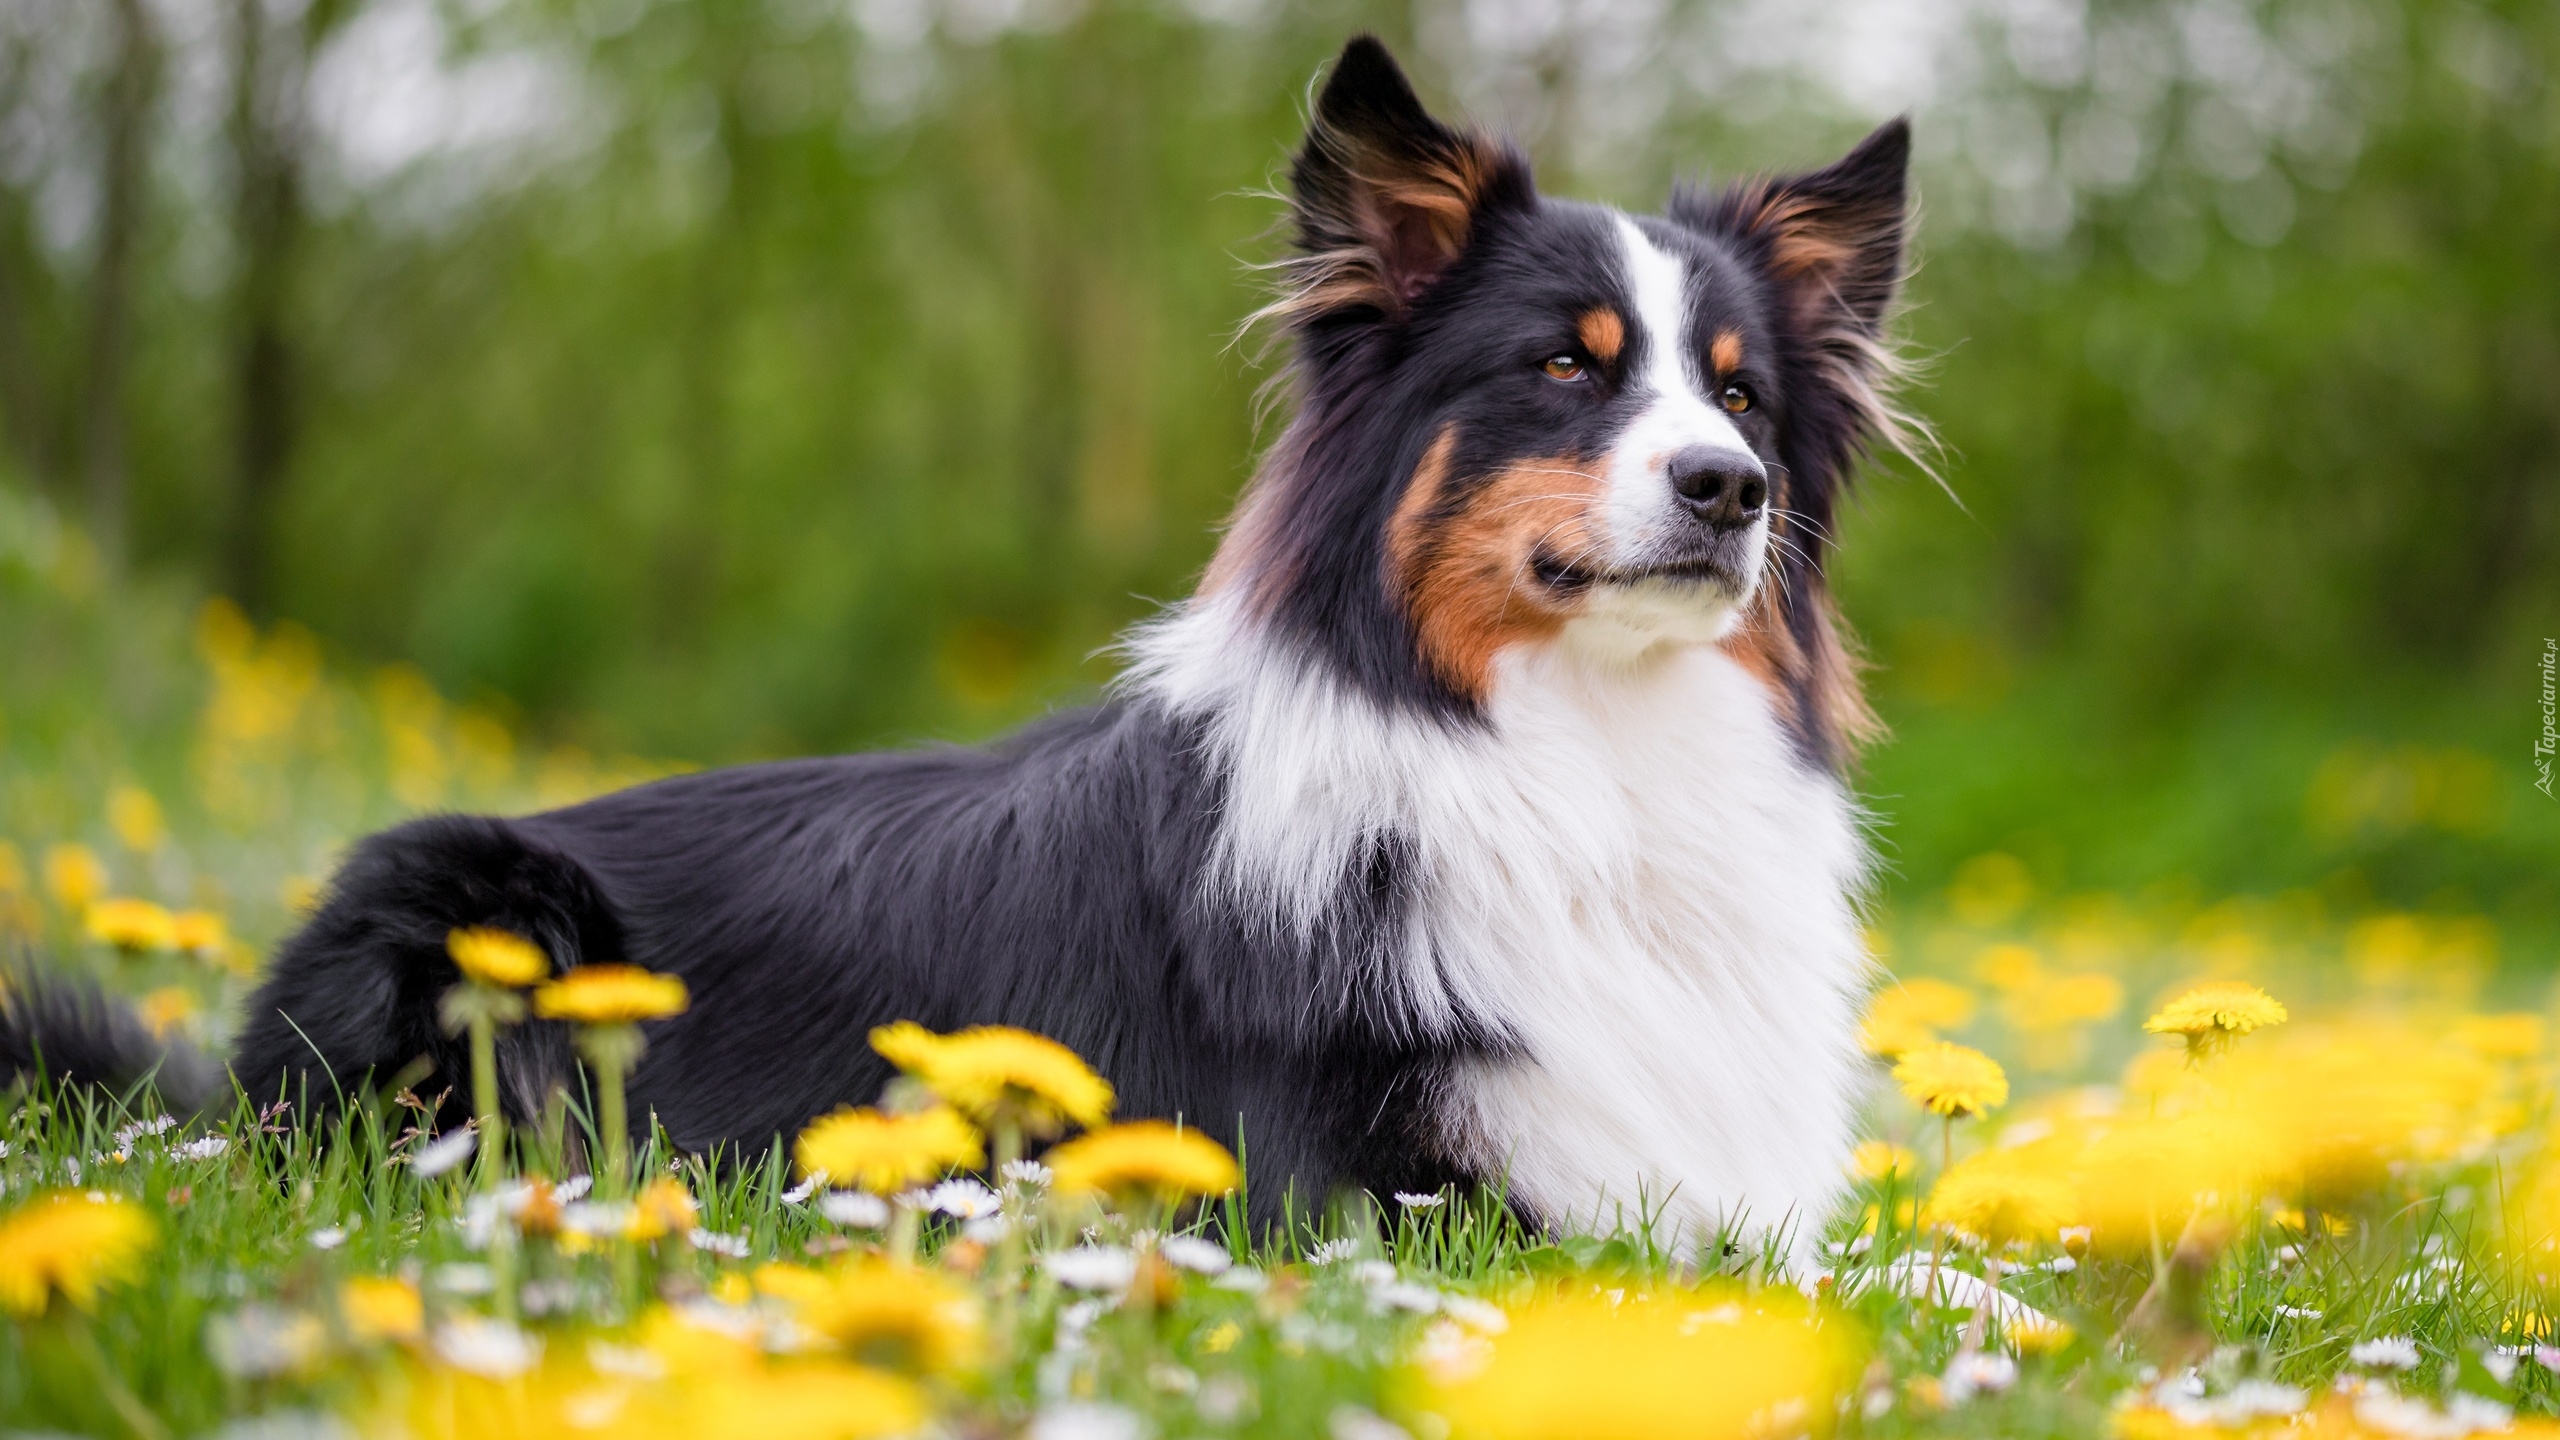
271 71
31 428
131 87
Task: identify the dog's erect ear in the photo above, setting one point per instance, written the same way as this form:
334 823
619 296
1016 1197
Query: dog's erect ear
1833 238
1384 196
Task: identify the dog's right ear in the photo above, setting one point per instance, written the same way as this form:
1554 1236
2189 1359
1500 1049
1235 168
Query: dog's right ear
1384 197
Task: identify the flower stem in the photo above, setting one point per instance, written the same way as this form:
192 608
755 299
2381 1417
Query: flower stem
905 1221
1008 1151
616 1124
484 1097
129 1408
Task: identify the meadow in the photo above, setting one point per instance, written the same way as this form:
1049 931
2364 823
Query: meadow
2314 1194
572 391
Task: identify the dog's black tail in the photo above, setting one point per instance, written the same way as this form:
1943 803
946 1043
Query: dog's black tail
67 1029
352 998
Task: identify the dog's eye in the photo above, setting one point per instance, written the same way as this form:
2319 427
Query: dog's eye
1562 367
1736 399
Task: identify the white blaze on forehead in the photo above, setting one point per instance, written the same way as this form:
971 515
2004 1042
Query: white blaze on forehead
1674 414
1660 287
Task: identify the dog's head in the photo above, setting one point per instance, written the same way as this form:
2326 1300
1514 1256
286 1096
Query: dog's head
1529 421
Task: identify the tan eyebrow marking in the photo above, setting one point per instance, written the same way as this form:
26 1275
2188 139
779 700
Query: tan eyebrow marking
1603 333
1726 352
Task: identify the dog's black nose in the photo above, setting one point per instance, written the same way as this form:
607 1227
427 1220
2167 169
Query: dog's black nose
1725 488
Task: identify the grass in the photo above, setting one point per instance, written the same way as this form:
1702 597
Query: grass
235 1316
206 765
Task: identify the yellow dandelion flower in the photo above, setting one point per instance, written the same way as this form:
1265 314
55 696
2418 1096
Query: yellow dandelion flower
1876 1159
136 819
1951 1080
200 933
794 1285
1143 1157
1912 1013
610 995
73 1246
2008 967
804 1399
691 1345
2062 1002
995 1073
1995 1199
2145 1175
868 1150
74 876
2042 1335
2501 1037
893 1316
166 1009
662 1208
2212 1015
377 1307
132 926
497 957
1576 1367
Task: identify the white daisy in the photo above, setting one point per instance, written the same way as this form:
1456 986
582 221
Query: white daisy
1190 1252
1093 1267
963 1199
717 1243
1974 1373
492 1348
856 1208
1084 1420
443 1153
2385 1352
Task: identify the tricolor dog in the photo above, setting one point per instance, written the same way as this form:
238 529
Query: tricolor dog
1479 819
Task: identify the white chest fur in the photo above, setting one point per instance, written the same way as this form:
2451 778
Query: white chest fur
1628 871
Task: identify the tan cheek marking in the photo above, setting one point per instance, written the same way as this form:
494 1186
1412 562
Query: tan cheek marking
1763 646
1726 352
1465 575
1604 334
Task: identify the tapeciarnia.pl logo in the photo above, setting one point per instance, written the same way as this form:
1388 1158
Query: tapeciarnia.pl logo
2550 738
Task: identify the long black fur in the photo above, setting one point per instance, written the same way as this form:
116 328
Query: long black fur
1055 881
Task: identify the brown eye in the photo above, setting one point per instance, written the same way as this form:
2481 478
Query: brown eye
1736 399
1563 367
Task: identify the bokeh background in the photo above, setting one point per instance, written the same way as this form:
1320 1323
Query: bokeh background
422 403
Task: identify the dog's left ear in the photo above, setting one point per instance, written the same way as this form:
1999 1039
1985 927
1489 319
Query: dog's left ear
1834 238
1385 197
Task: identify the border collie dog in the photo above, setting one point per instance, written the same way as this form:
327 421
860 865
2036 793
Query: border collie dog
1479 820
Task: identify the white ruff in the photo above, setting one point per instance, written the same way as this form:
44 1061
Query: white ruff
1628 871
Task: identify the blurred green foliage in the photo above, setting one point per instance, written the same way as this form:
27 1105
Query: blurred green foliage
737 377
